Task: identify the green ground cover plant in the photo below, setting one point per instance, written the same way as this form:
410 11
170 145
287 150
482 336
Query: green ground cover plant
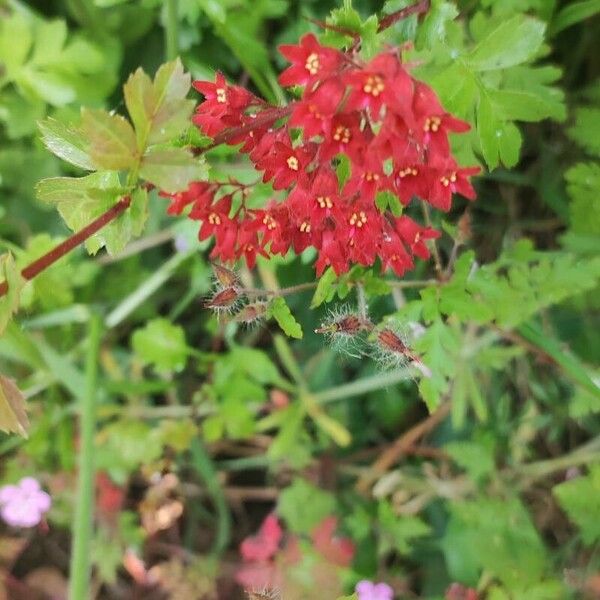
299 300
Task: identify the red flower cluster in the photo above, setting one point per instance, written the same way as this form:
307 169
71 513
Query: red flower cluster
391 127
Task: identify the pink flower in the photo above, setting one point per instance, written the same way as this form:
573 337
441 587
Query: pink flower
367 590
24 504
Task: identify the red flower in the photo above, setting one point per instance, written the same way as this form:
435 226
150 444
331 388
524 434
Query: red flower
222 98
342 134
448 178
331 254
249 246
411 180
198 192
415 236
367 177
285 165
392 128
393 254
316 109
382 82
310 62
433 122
320 202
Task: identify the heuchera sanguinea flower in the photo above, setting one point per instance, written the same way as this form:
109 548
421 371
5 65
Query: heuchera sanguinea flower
391 131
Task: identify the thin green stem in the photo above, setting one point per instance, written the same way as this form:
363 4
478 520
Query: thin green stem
412 283
362 386
142 293
171 31
79 584
204 466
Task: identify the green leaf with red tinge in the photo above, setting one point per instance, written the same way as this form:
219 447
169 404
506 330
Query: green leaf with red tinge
111 138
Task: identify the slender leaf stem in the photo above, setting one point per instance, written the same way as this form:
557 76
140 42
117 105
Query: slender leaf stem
79 584
171 30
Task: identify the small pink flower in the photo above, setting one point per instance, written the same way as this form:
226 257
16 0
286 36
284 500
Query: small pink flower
24 504
367 590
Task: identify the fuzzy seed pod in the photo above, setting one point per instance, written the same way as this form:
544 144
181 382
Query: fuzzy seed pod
225 278
351 324
225 300
251 313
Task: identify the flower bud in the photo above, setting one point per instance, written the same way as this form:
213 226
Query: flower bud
223 300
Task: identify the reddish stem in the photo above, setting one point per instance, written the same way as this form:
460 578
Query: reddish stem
419 8
266 117
48 259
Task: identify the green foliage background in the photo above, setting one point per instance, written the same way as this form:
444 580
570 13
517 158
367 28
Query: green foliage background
503 494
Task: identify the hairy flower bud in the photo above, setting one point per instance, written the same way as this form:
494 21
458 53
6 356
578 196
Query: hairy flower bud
225 300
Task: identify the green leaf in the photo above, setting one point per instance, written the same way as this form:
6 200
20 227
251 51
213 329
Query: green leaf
159 110
586 131
569 362
490 130
111 138
583 183
574 13
513 42
398 531
138 210
80 200
303 506
122 446
280 311
495 535
580 499
433 27
325 288
66 142
256 364
476 457
520 105
15 42
9 303
172 169
161 344
13 416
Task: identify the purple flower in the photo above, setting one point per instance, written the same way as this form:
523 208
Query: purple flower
24 504
367 590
